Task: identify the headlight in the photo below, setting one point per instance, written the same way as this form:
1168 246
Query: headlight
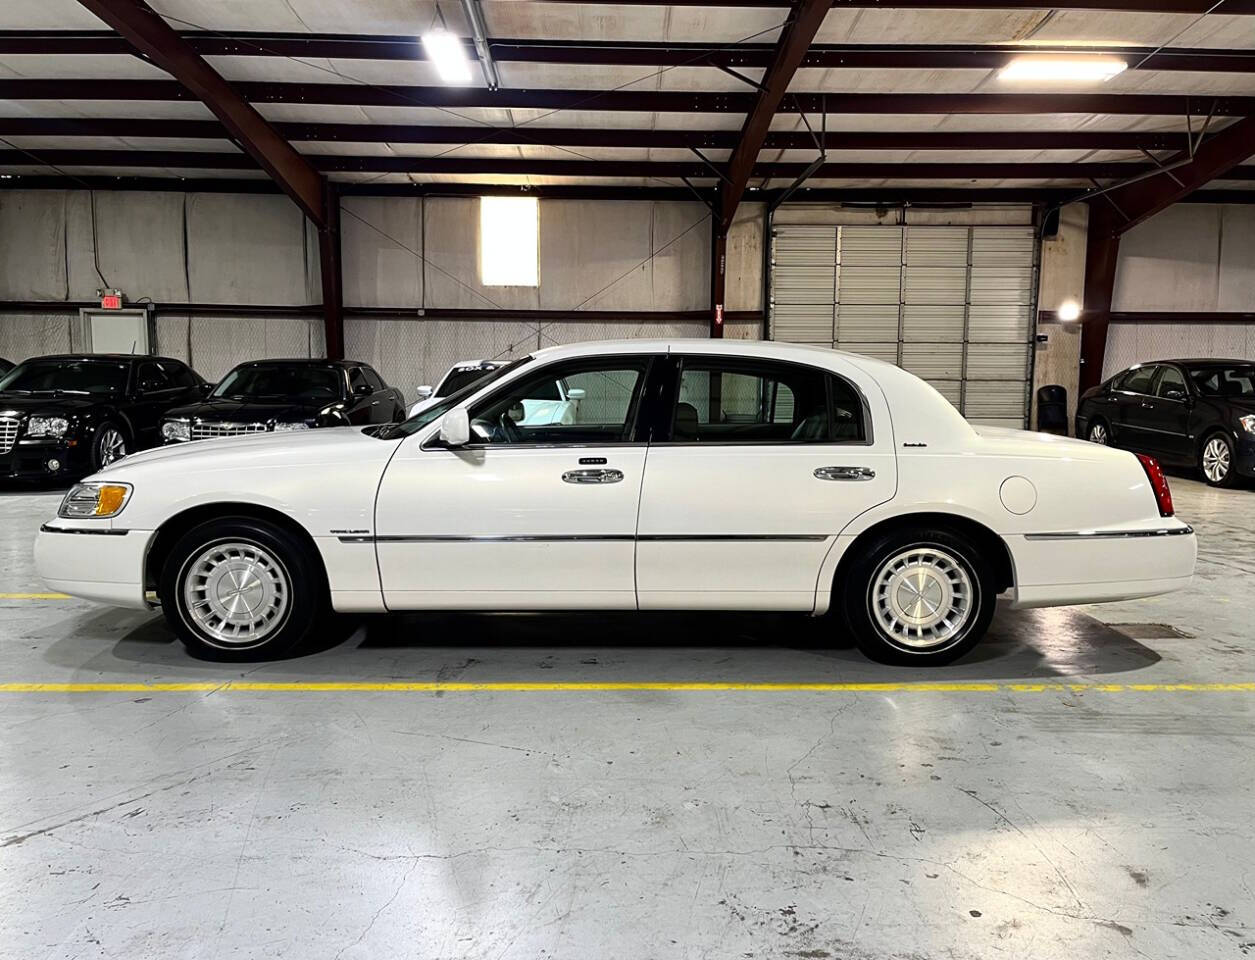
47 426
1248 423
176 430
95 500
281 427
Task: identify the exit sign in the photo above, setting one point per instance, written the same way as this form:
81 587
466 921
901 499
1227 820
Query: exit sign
111 301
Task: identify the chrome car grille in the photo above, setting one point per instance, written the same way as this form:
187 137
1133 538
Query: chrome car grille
208 431
8 433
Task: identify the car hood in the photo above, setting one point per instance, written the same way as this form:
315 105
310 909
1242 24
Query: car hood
47 403
303 449
248 411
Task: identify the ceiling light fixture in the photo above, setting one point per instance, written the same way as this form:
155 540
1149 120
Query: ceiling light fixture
1072 68
1069 311
448 54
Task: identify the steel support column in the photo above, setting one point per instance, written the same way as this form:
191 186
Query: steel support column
1102 248
332 270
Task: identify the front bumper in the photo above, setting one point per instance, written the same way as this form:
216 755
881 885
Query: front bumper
1060 569
40 459
94 560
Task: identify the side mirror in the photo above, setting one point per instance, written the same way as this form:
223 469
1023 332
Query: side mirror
206 389
455 428
362 390
424 392
1174 394
575 393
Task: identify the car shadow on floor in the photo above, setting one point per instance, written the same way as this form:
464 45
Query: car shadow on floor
627 647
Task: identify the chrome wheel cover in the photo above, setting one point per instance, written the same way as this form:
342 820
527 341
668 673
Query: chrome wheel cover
236 594
1216 456
922 598
1098 434
112 446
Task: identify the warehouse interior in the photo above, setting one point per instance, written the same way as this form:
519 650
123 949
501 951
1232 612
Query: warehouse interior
298 179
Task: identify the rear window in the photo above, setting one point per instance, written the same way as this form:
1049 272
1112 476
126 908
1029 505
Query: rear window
1237 380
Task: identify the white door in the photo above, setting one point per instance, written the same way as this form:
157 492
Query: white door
765 463
118 331
534 513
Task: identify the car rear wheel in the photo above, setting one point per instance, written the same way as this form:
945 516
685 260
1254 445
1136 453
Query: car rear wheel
108 446
917 597
1216 460
241 589
1098 433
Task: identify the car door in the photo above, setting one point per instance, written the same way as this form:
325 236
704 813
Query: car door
1134 403
385 404
758 465
525 516
1166 417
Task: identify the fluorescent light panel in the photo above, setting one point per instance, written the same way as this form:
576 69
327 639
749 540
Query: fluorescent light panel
508 230
448 54
1075 68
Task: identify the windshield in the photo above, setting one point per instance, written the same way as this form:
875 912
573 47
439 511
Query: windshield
458 379
277 382
84 377
438 410
1233 380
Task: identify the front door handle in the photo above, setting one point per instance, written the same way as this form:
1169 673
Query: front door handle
592 476
844 473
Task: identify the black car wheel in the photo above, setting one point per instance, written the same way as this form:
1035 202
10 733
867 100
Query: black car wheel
241 589
1098 433
108 445
921 597
1215 460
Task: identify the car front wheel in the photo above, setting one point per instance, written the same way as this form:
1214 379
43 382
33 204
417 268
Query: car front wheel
1216 460
241 589
922 597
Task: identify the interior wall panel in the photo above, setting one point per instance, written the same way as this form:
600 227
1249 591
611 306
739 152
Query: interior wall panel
380 237
32 245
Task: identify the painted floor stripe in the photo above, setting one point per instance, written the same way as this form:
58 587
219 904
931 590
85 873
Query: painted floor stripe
34 596
254 686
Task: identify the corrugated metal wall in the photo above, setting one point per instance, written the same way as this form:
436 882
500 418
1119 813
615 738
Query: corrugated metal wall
952 303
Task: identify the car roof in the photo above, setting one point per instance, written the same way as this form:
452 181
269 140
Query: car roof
302 362
1197 362
127 357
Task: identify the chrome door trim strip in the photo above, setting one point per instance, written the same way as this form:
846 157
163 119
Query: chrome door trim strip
1112 534
593 538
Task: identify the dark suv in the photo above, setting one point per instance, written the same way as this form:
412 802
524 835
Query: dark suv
1189 413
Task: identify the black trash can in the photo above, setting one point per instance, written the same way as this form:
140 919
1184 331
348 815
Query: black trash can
1052 409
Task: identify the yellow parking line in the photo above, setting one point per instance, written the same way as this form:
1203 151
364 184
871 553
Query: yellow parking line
254 686
34 596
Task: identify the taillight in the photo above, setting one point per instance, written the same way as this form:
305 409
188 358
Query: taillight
1158 483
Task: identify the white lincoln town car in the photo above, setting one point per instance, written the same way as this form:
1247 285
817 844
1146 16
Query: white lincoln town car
693 475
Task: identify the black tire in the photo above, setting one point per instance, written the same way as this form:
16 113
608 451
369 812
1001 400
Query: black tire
103 449
288 561
1209 464
862 598
1098 424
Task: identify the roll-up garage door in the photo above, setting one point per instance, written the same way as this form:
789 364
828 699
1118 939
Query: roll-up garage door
951 304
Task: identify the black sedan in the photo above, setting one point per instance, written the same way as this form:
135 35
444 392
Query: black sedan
263 396
1189 413
66 416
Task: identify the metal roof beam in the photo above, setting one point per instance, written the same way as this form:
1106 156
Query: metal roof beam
161 45
697 169
605 137
795 39
651 101
621 53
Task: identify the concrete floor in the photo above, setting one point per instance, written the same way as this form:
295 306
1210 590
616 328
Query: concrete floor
856 824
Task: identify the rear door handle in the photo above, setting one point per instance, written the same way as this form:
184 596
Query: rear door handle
844 473
592 476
